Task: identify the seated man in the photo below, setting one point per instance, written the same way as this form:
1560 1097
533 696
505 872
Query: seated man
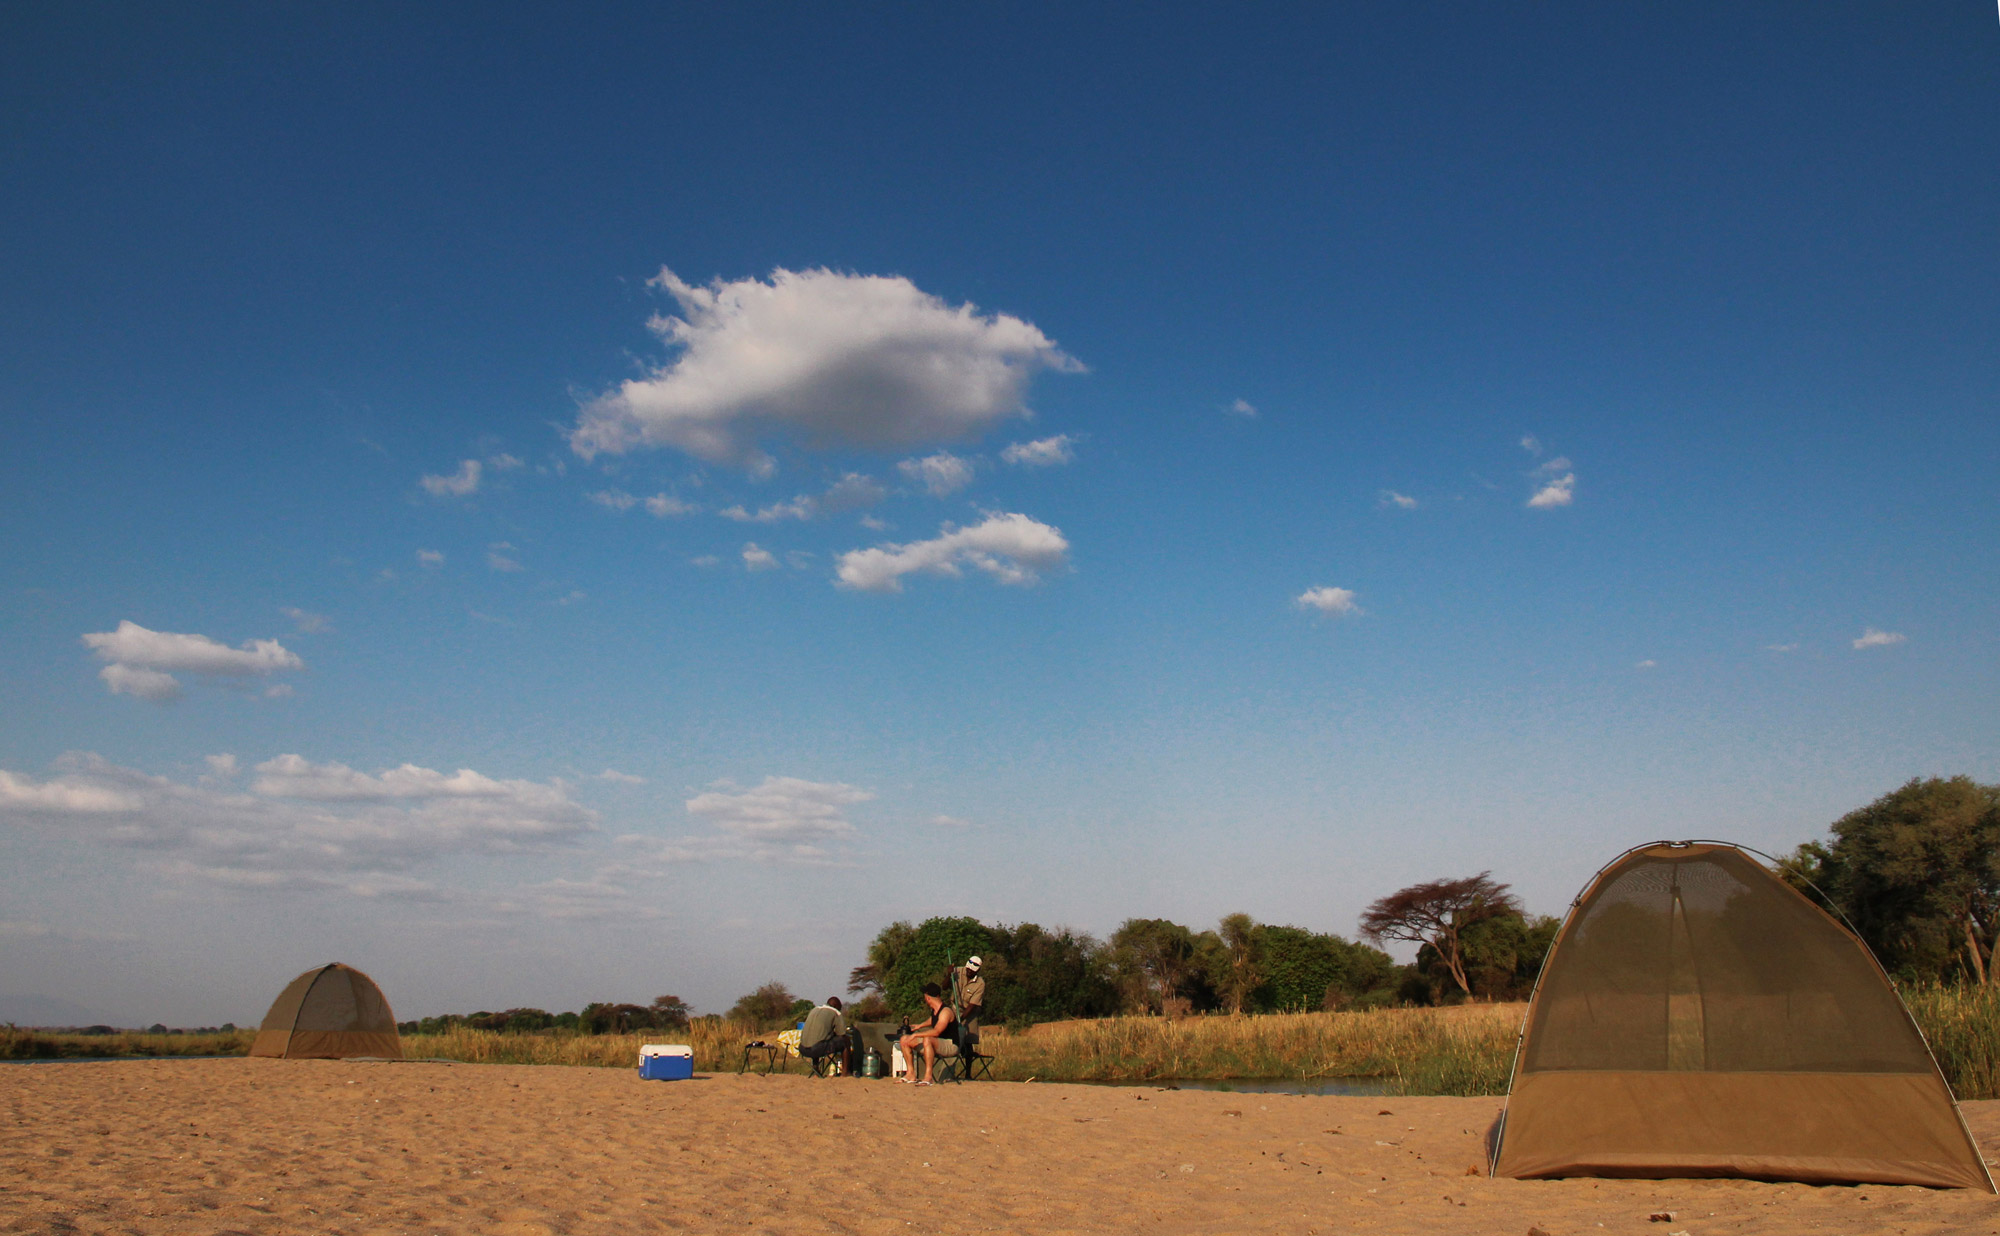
932 1039
825 1034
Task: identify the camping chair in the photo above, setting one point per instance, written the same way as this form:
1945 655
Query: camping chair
830 1052
970 1063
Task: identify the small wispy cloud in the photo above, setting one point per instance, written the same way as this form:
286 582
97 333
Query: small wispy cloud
663 505
430 557
503 463
1531 444
1041 453
1241 407
618 778
613 499
757 558
307 622
1332 602
1402 502
1648 663
498 559
1781 647
456 484
1873 638
942 474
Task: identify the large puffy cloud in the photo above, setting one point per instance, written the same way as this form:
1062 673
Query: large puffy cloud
302 825
839 359
1014 549
142 662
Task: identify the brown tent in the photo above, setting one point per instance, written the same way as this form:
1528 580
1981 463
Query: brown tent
1698 1017
329 1013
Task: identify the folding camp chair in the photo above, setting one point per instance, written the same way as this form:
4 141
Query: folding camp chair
822 1063
970 1063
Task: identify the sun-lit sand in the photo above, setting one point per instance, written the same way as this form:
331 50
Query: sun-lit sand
214 1146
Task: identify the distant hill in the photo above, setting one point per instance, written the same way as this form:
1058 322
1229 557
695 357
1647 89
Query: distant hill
49 1011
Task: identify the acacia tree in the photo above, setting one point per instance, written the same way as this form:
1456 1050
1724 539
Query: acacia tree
1437 914
1155 959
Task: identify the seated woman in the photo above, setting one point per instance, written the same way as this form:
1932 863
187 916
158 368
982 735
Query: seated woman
934 1038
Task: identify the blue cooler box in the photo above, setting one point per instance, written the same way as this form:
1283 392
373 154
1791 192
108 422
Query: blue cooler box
666 1062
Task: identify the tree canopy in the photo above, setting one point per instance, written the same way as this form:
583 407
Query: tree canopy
1917 873
1437 914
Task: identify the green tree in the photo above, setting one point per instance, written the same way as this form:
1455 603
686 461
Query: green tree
935 946
1038 975
769 1005
1238 933
670 1012
1155 960
1917 872
883 954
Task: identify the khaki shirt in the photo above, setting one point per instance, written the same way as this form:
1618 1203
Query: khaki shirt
821 1024
971 991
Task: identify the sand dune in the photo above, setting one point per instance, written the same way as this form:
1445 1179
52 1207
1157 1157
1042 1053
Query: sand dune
265 1146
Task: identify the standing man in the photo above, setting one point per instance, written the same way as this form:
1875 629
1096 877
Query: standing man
970 989
825 1033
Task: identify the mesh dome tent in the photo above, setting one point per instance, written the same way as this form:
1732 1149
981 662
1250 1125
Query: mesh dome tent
1698 1017
330 1013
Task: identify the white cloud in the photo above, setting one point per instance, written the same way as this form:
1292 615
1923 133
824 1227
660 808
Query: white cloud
301 825
503 463
1041 453
430 558
705 560
278 691
801 507
63 796
850 492
221 766
1241 407
1336 602
1646 664
144 683
613 499
949 821
1559 491
619 778
142 662
1402 502
835 358
1872 638
661 505
1531 444
943 474
498 559
1014 549
873 524
306 621
458 484
757 558
1781 647
782 809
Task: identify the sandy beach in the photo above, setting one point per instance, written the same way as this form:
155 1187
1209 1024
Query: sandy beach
264 1146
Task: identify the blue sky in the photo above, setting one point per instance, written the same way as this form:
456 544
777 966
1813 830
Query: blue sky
1231 462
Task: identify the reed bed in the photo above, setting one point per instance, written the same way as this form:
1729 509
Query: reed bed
718 1045
18 1044
1963 1027
1466 1050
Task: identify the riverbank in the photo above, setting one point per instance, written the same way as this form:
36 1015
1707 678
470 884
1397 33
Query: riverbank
271 1147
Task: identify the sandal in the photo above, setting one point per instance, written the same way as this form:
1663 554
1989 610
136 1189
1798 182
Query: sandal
925 1082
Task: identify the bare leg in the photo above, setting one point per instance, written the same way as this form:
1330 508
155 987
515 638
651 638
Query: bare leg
930 1057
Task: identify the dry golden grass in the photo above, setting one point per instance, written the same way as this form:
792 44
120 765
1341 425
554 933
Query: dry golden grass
17 1044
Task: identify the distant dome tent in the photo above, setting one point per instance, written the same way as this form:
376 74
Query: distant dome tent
1697 1016
331 1013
